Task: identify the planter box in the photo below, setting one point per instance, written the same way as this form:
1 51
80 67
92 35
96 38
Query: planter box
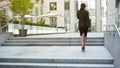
33 29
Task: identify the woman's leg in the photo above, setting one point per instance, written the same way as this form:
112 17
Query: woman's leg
83 33
83 40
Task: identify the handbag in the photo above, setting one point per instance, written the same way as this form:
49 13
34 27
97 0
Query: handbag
89 23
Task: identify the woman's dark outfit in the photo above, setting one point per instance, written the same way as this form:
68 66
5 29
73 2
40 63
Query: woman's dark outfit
83 17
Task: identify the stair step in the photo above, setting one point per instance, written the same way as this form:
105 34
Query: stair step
51 44
48 41
47 38
53 65
49 58
58 60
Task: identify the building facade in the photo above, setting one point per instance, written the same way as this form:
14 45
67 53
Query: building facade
54 6
66 8
102 12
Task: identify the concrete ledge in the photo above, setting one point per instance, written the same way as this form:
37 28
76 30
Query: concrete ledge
16 35
51 65
4 36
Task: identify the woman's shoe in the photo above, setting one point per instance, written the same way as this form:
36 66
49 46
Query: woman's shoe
83 49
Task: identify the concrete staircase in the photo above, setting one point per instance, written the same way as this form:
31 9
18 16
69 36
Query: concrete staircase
55 62
56 41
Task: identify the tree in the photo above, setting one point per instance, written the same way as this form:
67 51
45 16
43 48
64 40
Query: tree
22 8
3 17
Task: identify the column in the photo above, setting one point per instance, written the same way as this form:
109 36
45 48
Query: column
98 16
73 18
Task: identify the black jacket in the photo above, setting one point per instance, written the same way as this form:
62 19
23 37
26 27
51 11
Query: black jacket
83 17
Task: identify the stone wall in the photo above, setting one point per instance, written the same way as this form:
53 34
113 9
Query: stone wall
112 43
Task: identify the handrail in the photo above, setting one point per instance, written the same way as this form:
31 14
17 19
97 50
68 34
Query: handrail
108 26
117 29
3 27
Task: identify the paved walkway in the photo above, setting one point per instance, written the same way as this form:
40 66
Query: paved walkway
92 52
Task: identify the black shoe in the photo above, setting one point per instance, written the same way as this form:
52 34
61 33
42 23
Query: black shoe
83 49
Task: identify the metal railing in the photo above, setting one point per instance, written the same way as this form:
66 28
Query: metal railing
2 27
112 28
118 31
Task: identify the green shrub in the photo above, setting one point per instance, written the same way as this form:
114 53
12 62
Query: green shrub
61 27
16 22
41 22
28 22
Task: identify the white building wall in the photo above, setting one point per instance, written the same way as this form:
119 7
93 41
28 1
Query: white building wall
111 12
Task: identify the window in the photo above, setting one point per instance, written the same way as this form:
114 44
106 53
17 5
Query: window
67 6
53 21
117 3
53 6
